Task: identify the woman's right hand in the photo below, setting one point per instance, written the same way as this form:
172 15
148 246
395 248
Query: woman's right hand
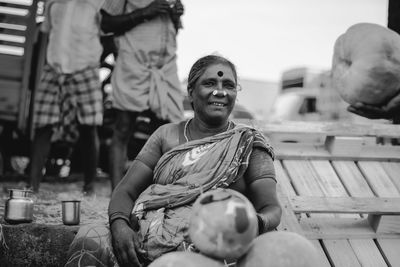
125 243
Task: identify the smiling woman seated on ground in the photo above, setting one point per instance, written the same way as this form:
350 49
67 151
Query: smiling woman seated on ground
178 163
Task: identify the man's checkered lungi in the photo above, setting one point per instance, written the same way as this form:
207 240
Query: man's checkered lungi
64 100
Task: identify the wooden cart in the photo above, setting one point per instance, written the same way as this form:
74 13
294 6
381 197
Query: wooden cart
342 190
22 56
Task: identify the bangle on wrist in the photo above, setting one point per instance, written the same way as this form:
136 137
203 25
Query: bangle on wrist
119 216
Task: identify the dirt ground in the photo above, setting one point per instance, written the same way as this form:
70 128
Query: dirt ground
47 202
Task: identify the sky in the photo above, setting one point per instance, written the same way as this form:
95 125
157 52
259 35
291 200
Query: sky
265 37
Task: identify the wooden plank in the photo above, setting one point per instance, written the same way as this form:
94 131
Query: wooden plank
305 180
14 15
17 45
321 253
331 128
385 223
283 180
343 145
367 253
18 2
341 253
11 32
306 151
303 177
393 170
383 187
390 249
341 228
328 180
24 100
352 178
11 50
289 221
378 179
331 186
368 205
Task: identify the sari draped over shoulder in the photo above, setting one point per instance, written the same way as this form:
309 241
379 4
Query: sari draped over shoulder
181 175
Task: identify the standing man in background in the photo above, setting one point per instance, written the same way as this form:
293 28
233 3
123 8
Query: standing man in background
145 75
69 98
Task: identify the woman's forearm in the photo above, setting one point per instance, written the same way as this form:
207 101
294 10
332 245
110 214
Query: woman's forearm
136 180
120 206
271 217
120 24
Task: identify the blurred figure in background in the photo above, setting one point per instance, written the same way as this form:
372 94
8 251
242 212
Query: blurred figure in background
68 100
145 73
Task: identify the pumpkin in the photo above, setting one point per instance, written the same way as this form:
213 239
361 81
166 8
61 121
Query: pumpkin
366 64
281 249
185 259
223 224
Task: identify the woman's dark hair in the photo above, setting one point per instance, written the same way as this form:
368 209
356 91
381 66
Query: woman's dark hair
200 66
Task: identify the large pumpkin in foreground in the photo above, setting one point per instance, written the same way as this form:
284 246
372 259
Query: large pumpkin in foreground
185 259
281 249
366 64
223 224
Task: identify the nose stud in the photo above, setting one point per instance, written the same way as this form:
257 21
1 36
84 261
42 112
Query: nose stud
215 92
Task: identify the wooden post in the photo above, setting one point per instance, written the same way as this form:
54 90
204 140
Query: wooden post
385 223
343 145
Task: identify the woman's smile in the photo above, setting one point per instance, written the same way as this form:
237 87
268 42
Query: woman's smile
218 104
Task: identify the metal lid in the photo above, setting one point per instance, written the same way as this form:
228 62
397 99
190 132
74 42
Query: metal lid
19 193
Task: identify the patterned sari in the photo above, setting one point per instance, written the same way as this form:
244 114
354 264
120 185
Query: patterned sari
180 176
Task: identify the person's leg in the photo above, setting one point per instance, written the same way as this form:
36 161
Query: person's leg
90 155
40 149
123 129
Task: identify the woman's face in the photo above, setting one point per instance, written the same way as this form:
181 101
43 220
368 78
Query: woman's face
211 108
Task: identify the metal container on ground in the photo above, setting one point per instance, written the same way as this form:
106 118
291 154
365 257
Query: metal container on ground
19 206
71 210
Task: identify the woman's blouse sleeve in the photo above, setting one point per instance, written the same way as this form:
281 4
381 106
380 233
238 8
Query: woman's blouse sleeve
152 149
162 140
260 166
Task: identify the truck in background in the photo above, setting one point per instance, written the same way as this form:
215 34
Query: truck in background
306 94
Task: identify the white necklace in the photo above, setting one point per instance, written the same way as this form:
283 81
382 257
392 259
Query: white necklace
186 129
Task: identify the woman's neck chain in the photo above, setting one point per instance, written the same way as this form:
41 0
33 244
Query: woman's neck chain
185 130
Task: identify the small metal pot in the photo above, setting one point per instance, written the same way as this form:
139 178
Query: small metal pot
19 206
71 210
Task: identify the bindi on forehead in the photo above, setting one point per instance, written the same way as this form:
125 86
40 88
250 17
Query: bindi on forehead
220 73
